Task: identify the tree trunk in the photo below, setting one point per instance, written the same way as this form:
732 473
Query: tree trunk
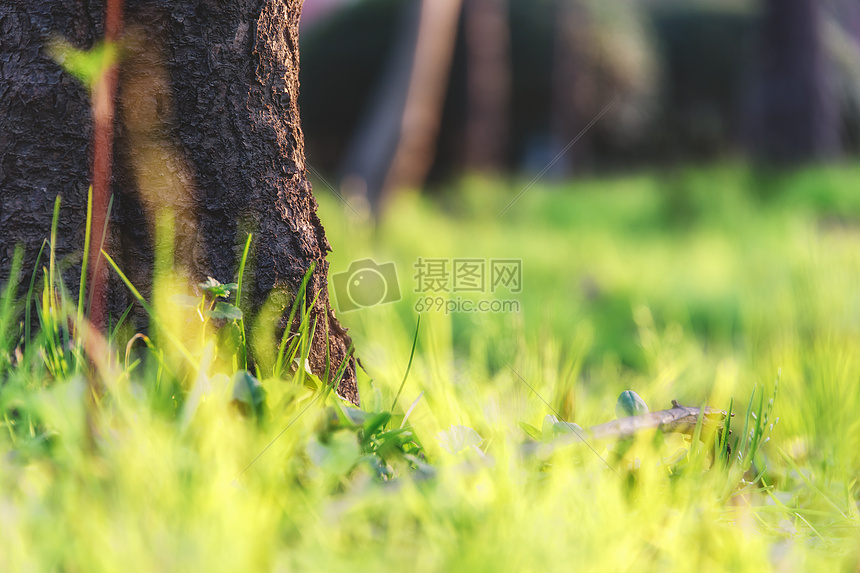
796 109
395 146
489 84
207 130
371 150
574 92
422 116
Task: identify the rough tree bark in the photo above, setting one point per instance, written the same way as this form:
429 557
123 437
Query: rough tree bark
207 124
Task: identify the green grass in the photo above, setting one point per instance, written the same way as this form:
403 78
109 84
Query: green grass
702 286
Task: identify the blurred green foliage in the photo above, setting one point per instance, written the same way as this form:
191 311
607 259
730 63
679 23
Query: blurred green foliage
88 66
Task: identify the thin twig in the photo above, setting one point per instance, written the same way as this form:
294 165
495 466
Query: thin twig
679 419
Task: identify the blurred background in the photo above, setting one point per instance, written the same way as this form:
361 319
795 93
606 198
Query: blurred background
410 94
678 178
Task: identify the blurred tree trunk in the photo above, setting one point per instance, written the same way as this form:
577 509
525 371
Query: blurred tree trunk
573 89
207 133
796 110
396 145
371 151
489 83
428 84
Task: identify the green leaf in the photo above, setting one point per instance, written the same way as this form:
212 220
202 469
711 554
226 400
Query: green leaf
458 438
390 442
553 428
375 422
186 301
561 428
549 422
216 289
311 380
226 311
352 416
248 392
86 65
530 430
337 455
378 466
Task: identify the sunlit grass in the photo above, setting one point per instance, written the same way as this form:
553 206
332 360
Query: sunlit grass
698 287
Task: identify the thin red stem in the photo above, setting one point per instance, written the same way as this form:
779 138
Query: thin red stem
103 106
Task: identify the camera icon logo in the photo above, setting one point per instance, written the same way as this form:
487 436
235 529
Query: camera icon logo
366 283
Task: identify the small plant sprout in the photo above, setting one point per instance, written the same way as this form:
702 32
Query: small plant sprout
208 304
630 404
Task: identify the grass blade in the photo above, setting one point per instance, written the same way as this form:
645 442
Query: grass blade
83 283
239 280
149 310
30 294
409 365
